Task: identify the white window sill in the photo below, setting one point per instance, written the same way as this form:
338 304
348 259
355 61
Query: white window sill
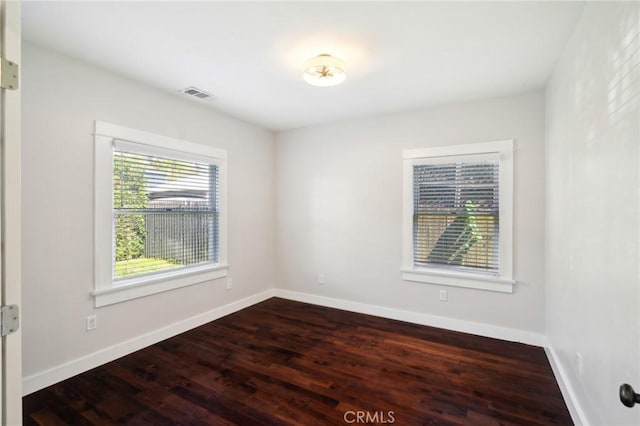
146 286
457 279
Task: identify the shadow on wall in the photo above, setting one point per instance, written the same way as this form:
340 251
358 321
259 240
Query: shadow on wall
624 63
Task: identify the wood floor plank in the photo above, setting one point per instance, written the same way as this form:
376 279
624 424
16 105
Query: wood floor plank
288 363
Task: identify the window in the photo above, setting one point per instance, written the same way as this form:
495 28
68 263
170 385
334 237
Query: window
159 213
458 215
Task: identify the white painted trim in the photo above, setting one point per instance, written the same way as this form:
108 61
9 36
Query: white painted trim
471 327
103 227
451 150
10 400
407 215
504 149
137 287
575 409
69 369
506 210
114 131
106 291
453 279
223 229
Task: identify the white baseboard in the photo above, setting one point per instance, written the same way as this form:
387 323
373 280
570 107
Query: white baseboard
471 327
575 409
69 369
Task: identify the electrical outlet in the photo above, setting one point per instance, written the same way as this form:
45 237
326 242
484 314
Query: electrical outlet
580 364
229 284
443 295
92 322
321 278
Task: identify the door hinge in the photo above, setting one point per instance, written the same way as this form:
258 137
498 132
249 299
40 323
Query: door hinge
9 319
8 74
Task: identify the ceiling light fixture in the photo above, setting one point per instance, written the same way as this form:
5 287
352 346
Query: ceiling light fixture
324 71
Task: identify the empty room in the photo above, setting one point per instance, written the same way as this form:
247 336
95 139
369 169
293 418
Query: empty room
320 213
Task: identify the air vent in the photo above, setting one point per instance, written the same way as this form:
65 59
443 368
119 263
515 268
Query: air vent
197 93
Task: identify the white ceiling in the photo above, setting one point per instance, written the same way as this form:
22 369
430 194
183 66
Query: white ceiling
399 56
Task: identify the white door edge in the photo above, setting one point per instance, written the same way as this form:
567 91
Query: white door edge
11 216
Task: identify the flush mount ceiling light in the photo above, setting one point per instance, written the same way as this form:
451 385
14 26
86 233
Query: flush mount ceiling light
324 70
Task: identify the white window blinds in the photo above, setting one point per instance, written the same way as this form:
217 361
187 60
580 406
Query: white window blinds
456 215
165 212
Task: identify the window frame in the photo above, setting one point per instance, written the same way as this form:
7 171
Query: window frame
108 291
504 280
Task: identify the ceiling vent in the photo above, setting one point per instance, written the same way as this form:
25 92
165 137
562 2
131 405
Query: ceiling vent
197 93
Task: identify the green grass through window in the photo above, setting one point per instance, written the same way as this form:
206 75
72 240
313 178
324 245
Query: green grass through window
141 265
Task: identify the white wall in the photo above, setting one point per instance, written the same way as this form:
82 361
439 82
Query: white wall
339 209
592 210
61 99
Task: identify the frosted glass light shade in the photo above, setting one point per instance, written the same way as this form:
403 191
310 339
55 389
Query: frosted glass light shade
324 70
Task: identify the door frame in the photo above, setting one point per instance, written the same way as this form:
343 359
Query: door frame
10 215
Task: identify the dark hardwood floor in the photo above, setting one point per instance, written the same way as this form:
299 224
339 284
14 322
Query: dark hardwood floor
284 362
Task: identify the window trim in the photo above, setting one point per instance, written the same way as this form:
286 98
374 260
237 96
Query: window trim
504 282
107 291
